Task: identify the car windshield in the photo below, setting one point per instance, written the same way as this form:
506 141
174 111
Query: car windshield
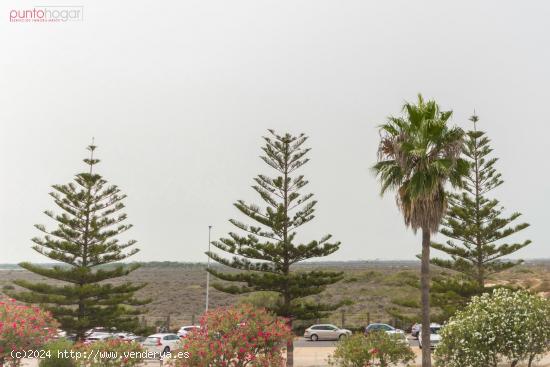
435 330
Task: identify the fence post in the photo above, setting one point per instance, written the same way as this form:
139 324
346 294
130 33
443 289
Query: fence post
368 318
193 319
168 323
343 321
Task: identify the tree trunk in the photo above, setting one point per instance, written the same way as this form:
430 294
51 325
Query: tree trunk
531 358
290 348
425 289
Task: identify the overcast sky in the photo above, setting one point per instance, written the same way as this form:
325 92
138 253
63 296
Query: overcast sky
178 94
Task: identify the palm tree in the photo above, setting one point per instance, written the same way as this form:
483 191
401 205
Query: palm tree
418 155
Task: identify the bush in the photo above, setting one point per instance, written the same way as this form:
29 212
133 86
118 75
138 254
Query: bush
235 336
351 352
52 358
506 325
109 353
378 348
23 328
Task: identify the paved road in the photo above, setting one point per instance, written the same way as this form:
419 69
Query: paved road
304 343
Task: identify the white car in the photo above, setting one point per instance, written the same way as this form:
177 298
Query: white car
123 335
400 337
94 337
325 332
99 329
382 327
184 330
161 343
435 337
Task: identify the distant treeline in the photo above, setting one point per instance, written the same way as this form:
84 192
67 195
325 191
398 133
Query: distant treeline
149 264
347 264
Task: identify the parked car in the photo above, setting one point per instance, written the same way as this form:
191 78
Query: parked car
161 343
94 337
184 330
435 337
99 329
60 334
128 337
383 327
415 329
325 332
401 337
123 335
135 339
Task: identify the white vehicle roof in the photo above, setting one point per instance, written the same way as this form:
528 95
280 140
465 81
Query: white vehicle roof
324 325
99 336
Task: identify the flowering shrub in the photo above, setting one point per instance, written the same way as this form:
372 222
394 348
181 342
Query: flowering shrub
235 337
108 353
377 349
502 326
23 328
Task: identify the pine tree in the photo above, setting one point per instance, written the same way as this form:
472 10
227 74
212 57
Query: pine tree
84 242
266 252
451 293
475 223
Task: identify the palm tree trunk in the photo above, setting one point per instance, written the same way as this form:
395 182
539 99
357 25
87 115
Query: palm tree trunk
425 290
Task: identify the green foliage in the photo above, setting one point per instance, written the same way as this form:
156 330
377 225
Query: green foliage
351 352
417 155
85 242
452 293
268 249
261 299
57 349
109 353
506 325
379 348
389 349
475 224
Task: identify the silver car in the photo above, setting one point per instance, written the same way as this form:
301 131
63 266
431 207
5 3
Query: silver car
435 337
325 332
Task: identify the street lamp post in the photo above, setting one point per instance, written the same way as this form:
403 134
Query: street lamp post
208 267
